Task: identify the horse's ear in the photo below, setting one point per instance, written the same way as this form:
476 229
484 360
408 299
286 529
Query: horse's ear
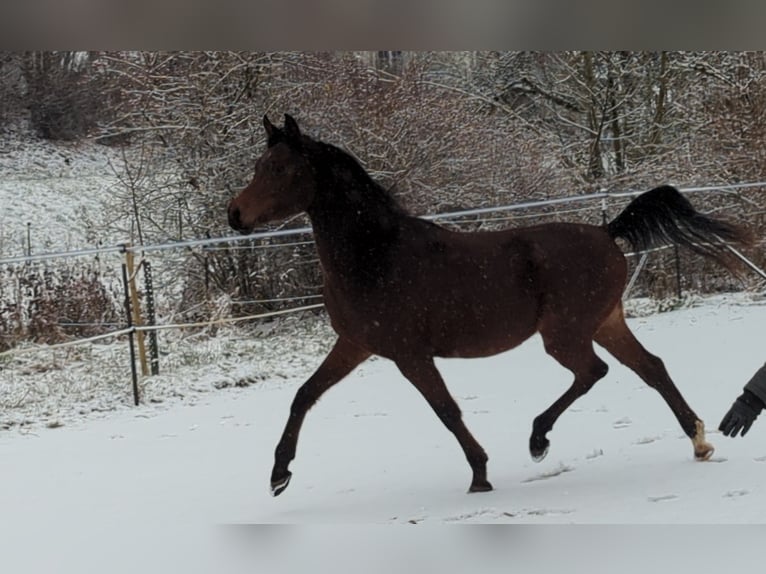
271 129
292 130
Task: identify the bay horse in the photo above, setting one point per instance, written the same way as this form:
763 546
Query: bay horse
409 290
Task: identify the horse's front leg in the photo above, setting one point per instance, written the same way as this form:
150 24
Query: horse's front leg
344 357
423 374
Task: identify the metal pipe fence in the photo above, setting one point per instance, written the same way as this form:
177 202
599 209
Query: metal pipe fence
600 201
603 196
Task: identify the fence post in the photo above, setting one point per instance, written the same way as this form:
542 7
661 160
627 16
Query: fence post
154 354
129 319
747 261
678 273
140 339
639 267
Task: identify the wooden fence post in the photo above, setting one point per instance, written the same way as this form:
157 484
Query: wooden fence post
135 306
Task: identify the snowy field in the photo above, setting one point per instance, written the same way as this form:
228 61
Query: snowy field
180 485
59 189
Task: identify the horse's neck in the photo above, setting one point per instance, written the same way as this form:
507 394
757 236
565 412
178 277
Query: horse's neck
354 236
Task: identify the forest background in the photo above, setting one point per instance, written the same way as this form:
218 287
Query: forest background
446 131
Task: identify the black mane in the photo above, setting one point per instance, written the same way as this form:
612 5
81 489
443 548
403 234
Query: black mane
336 166
364 217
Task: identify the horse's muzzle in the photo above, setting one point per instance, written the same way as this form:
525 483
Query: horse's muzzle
235 220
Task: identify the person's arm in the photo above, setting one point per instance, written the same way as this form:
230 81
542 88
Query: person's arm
747 407
757 384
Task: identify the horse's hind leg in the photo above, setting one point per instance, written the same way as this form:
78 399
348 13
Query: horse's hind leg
343 358
573 350
427 379
615 336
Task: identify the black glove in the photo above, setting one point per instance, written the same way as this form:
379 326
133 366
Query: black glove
741 415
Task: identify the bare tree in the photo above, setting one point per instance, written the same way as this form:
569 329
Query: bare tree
66 94
445 131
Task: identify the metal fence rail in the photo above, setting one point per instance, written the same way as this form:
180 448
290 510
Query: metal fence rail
603 196
212 243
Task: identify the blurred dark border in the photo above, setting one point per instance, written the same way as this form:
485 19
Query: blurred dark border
388 549
367 24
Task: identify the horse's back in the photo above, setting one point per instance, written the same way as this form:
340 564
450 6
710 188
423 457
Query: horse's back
551 252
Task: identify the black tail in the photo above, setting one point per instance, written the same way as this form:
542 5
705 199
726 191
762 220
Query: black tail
663 216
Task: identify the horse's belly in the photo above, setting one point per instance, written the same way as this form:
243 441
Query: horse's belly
440 321
482 338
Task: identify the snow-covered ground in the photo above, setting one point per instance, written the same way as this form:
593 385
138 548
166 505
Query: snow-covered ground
168 480
59 189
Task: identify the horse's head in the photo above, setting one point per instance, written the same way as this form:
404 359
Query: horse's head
283 184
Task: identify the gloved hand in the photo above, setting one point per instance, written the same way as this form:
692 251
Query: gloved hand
741 415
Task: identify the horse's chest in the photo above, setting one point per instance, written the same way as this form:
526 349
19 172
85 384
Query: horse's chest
375 321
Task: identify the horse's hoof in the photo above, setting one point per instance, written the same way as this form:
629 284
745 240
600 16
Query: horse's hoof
480 486
278 486
703 450
539 449
704 453
539 456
